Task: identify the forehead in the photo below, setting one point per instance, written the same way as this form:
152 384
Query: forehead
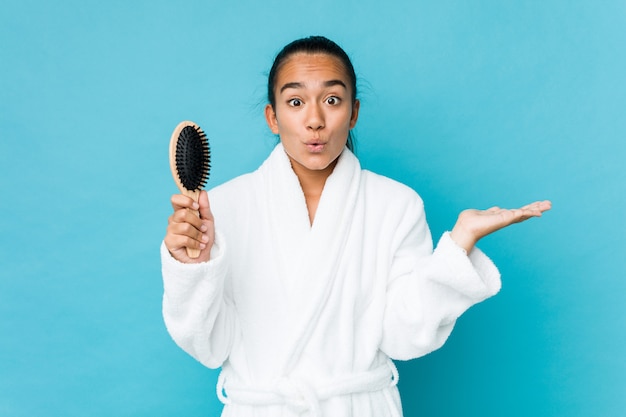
302 67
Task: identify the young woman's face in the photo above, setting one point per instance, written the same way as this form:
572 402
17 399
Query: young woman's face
314 111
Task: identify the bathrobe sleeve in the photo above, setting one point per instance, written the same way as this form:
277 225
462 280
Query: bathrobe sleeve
428 290
196 307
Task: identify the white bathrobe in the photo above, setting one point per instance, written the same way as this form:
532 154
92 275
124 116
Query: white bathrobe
304 319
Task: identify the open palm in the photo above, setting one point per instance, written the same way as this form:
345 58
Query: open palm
472 225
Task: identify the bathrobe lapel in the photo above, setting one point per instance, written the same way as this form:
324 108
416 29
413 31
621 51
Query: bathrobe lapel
308 257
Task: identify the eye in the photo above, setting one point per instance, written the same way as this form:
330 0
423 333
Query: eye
295 102
333 100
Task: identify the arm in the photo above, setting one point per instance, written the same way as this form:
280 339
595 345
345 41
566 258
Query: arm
428 290
197 309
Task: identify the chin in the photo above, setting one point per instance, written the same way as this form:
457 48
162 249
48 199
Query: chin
322 166
314 163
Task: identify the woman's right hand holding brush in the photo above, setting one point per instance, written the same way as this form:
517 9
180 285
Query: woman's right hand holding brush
186 230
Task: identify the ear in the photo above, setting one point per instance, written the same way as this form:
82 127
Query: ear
270 118
355 113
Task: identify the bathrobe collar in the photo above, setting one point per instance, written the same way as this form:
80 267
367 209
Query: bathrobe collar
308 256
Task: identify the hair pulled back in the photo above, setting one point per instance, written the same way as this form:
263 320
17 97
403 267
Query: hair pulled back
312 45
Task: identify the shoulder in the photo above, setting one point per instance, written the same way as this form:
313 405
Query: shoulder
388 191
232 187
398 211
234 197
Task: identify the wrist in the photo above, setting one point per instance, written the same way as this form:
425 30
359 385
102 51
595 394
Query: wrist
463 238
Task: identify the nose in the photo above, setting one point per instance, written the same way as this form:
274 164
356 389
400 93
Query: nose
315 117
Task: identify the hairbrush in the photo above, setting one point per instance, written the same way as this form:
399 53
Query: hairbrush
190 161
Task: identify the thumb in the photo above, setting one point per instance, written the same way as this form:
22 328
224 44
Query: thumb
205 207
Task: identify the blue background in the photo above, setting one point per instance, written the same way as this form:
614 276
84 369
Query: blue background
473 104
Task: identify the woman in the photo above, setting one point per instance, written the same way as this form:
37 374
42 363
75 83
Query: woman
313 273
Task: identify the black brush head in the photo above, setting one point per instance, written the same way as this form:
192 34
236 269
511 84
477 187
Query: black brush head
193 158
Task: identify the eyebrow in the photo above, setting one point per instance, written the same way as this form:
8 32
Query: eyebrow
329 83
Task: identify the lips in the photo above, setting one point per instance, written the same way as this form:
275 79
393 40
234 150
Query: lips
315 146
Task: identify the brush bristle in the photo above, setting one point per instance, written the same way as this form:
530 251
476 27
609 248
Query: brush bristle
193 158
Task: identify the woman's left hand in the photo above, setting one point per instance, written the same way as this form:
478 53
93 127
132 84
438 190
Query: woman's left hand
472 225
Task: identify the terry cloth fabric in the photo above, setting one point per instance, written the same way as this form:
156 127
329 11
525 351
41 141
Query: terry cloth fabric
286 307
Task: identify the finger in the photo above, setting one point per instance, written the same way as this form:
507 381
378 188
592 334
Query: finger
531 206
187 229
182 201
539 205
179 243
205 206
180 235
525 213
184 215
545 205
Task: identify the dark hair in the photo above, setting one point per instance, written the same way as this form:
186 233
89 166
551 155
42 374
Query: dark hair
312 45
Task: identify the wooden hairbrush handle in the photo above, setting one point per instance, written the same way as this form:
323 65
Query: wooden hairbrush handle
195 195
